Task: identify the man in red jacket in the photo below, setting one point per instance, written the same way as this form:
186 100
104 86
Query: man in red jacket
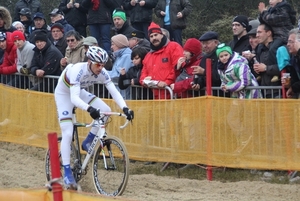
9 65
159 64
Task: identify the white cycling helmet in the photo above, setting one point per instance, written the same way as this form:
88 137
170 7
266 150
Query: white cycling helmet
97 54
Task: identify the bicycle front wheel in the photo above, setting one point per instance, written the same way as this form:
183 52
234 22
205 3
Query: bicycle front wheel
111 167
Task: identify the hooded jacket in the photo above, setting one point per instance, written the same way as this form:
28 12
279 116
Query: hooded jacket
9 65
7 20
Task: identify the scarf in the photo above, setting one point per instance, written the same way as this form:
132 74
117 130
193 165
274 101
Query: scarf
96 4
162 43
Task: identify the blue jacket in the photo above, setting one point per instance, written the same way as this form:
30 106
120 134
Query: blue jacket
122 60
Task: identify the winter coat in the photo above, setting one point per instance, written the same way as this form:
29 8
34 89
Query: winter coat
9 65
46 59
33 5
122 60
75 55
237 75
263 56
61 45
144 43
281 18
103 15
239 45
126 29
183 6
184 79
160 65
5 15
134 73
74 16
140 13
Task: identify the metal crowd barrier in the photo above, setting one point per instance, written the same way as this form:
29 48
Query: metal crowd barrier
48 83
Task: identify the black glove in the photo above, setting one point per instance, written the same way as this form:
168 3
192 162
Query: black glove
129 113
94 113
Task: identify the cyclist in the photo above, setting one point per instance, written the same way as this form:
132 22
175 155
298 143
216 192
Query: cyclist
70 92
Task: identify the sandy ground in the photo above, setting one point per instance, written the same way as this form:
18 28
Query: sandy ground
23 167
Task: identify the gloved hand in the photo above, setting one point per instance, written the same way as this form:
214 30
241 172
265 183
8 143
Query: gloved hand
94 113
24 69
129 113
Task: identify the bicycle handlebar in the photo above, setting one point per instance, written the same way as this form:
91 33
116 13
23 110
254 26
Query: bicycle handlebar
111 114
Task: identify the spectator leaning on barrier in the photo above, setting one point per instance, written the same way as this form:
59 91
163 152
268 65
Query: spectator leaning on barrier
75 51
140 12
45 62
137 39
159 63
293 67
132 76
173 16
75 14
240 27
235 74
24 57
209 41
9 65
58 39
33 5
267 63
192 54
122 55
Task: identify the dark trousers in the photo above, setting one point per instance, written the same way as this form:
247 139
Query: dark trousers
175 34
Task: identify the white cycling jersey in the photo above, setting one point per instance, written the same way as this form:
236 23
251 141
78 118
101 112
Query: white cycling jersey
76 77
70 91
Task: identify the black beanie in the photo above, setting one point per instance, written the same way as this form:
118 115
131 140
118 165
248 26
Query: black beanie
40 35
243 20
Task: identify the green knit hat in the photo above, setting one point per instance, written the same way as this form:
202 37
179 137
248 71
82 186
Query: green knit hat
222 47
119 13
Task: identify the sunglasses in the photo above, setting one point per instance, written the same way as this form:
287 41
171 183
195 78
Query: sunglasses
70 40
98 64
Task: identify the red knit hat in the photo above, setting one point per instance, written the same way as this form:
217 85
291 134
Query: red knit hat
154 28
193 45
17 35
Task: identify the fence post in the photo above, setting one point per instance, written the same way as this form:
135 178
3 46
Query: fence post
208 71
55 166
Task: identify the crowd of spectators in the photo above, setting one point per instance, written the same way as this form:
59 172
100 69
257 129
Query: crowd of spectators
144 53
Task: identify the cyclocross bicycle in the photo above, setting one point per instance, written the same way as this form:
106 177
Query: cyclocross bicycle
110 161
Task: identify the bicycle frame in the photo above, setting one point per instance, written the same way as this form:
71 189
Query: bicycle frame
97 140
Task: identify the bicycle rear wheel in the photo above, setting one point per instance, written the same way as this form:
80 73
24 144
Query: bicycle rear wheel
48 164
112 179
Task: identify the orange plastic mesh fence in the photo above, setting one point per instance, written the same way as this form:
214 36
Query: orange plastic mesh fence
208 130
